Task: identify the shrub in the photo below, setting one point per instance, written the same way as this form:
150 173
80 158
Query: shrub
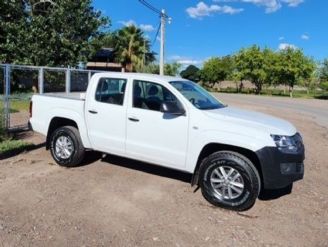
324 85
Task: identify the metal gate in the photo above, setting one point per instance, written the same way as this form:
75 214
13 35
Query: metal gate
2 99
19 82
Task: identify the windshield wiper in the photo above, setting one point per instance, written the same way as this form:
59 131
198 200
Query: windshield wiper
213 107
210 108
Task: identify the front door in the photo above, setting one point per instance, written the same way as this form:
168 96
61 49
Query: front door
152 135
106 116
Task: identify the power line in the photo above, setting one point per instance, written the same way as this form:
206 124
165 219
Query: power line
157 32
154 9
149 6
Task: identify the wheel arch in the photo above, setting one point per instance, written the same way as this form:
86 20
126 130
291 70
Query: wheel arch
57 122
211 148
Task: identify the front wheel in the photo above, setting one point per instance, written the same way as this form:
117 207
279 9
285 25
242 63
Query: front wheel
229 180
66 146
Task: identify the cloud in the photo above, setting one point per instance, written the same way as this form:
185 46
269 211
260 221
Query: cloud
293 3
281 38
189 62
175 57
147 27
143 27
305 37
128 23
269 5
202 9
284 46
185 61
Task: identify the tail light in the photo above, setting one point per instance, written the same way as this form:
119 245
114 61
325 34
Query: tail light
31 105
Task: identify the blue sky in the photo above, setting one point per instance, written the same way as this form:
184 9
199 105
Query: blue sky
202 29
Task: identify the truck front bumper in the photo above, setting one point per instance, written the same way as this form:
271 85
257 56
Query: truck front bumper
280 169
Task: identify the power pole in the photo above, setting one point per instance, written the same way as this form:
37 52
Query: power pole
161 59
144 55
164 18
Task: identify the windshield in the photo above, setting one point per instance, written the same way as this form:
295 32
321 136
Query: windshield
197 95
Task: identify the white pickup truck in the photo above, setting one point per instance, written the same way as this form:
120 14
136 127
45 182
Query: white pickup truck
175 123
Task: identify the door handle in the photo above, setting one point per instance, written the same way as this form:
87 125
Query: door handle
134 119
93 111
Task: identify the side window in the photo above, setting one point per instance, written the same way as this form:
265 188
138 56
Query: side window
111 91
150 96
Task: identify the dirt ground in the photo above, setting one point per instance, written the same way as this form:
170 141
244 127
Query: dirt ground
112 201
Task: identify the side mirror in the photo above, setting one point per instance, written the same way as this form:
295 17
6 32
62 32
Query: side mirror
172 108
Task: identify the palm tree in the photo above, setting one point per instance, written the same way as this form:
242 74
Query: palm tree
132 48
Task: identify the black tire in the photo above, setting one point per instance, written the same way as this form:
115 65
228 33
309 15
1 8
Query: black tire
77 153
248 175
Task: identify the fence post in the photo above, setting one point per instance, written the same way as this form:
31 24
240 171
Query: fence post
89 77
6 98
41 81
68 81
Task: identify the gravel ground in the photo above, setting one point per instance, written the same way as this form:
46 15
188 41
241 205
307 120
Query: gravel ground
112 201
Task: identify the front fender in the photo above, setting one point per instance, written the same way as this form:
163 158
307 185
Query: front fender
199 141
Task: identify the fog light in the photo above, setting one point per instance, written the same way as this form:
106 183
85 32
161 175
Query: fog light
287 168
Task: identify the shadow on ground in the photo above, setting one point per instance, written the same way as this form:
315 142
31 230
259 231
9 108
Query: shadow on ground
19 150
20 135
324 97
267 195
147 168
92 156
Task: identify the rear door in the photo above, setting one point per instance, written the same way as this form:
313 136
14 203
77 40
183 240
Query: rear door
106 115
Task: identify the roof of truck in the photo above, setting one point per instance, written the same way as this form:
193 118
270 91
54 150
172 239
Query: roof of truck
142 75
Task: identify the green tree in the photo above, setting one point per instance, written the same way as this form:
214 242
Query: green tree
169 69
172 69
270 67
151 68
310 83
323 71
53 33
191 73
217 69
250 63
324 85
12 25
294 68
237 77
132 49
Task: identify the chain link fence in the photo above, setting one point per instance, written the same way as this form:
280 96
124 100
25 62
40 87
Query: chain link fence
2 116
18 83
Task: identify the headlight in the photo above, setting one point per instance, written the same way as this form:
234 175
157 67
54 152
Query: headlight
288 144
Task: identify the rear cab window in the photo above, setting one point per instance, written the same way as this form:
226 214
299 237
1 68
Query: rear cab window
111 91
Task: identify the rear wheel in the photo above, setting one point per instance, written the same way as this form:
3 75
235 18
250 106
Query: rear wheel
229 180
66 146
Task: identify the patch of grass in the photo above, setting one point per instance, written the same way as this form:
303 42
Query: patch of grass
19 102
19 105
7 146
277 92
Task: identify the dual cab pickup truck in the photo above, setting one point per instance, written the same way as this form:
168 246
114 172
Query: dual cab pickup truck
174 123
